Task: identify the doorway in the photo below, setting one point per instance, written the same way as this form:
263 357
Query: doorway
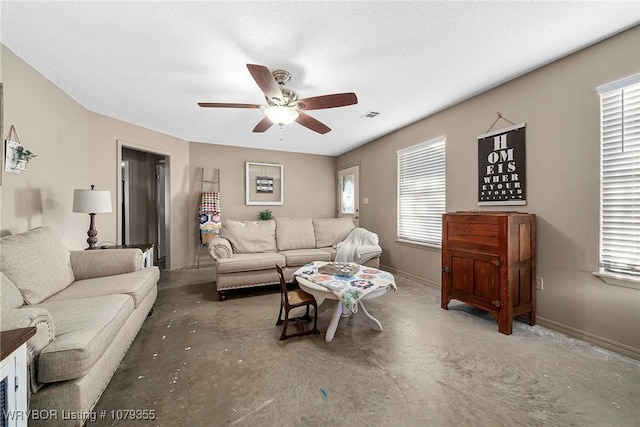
143 201
348 193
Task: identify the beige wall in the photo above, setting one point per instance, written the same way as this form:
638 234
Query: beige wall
308 180
560 106
77 148
108 138
56 128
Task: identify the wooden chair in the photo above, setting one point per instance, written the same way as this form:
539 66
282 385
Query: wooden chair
293 299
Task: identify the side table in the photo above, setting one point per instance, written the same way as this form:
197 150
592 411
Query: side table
146 248
13 376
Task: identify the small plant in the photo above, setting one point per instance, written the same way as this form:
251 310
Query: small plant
265 215
22 154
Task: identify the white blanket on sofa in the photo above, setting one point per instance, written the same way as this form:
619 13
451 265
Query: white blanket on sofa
360 246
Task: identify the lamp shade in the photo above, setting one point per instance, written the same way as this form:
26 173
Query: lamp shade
281 115
91 201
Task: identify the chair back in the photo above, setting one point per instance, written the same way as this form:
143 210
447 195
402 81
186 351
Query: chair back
283 286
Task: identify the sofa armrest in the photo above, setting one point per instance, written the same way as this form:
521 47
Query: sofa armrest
220 248
106 262
25 317
367 252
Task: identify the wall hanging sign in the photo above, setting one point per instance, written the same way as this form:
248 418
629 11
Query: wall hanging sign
16 157
264 184
501 166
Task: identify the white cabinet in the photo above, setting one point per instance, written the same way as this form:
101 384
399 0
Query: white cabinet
13 377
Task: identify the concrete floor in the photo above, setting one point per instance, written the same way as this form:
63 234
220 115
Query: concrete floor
201 362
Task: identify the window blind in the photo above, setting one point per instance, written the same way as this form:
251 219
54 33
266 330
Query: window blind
620 177
421 192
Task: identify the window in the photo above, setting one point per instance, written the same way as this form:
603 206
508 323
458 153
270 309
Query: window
620 177
421 192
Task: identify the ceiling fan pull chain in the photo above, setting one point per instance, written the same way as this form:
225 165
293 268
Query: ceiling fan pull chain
281 133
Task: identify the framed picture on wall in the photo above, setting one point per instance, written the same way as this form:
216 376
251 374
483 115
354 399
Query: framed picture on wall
502 167
264 184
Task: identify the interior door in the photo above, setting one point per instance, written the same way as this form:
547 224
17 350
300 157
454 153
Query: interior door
126 183
160 209
348 193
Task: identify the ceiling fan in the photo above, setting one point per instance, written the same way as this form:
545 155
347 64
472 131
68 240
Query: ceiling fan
283 105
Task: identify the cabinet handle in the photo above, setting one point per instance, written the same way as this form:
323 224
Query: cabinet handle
446 269
497 303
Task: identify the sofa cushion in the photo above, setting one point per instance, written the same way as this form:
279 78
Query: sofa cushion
37 262
84 330
250 262
299 257
295 233
250 236
10 296
331 231
136 284
331 250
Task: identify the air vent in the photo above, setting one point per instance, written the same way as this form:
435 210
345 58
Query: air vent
369 115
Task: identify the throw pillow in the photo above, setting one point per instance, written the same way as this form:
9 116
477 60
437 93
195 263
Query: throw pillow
294 233
250 236
331 231
37 262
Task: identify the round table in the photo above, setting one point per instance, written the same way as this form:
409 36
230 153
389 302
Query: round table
326 298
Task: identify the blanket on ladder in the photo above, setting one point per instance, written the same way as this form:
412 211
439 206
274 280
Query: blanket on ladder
210 222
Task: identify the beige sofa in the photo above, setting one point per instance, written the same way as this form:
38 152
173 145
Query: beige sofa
87 307
246 252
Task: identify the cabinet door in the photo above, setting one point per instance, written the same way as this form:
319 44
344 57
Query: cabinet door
474 278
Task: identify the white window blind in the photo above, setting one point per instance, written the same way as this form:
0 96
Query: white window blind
421 192
620 177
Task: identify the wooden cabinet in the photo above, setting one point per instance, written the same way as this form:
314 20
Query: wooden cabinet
489 262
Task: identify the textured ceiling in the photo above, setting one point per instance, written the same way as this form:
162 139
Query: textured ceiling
150 63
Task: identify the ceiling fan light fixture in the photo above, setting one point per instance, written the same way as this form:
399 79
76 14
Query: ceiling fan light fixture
281 115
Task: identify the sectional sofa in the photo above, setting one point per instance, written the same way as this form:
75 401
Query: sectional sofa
87 307
246 252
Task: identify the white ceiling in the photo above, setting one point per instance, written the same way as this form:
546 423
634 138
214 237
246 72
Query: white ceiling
150 63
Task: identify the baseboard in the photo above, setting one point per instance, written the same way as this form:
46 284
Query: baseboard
606 343
410 276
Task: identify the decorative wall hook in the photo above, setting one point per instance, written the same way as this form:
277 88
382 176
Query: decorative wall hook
500 116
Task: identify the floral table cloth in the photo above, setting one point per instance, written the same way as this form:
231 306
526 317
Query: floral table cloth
349 289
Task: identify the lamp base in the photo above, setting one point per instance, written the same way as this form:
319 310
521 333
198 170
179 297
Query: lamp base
92 233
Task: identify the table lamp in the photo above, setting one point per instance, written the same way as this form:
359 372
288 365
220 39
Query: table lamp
92 202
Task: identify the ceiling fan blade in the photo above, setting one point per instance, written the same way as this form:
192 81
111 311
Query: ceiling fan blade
328 101
311 123
265 80
227 105
264 124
